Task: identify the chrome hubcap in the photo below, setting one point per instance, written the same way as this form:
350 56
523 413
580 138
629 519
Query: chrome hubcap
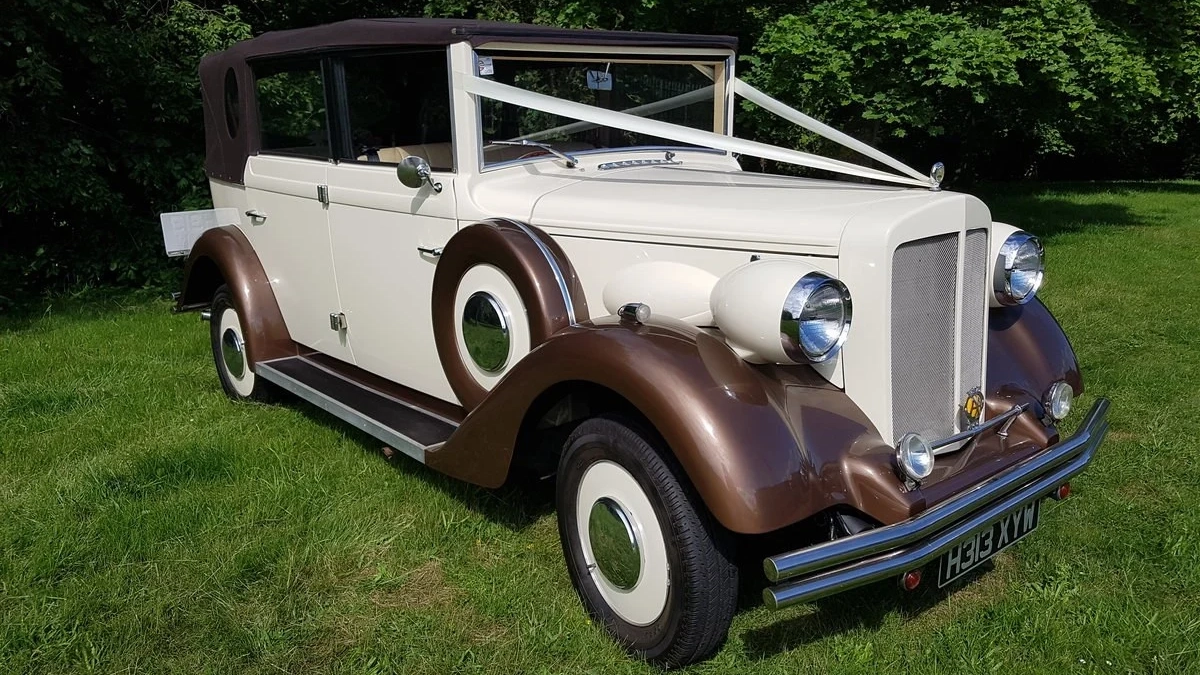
485 331
614 544
233 352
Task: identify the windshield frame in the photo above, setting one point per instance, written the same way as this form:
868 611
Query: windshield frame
721 61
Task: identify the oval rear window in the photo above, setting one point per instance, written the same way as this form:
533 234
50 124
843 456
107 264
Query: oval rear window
233 109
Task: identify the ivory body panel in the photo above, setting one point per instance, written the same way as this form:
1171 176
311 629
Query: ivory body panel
293 243
376 226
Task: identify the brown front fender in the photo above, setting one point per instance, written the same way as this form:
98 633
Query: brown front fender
1027 352
223 255
735 428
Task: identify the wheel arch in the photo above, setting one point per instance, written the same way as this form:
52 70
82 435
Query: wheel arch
722 420
223 256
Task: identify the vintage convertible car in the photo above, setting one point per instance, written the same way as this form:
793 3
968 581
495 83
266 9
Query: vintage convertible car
494 246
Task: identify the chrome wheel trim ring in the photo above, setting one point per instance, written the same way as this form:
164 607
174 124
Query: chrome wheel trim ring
614 544
494 282
646 600
233 353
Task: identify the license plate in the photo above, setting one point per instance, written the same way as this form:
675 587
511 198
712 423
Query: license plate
973 551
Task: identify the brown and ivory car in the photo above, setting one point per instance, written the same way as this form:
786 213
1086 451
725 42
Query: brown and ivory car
501 248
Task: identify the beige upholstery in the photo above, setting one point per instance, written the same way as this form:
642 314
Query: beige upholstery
439 155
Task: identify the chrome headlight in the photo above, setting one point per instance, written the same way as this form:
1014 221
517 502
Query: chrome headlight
915 457
1019 269
815 318
1058 401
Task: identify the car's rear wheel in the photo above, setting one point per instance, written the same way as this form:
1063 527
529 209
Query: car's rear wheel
647 561
232 360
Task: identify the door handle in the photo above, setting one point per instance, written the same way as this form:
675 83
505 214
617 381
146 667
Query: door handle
434 251
255 214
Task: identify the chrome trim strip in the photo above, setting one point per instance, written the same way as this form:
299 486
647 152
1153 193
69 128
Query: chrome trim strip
558 274
1045 468
394 439
996 421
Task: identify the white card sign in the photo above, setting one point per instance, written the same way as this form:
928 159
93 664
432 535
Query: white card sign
181 229
485 67
599 80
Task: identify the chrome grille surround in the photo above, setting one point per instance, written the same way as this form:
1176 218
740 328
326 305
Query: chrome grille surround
938 330
974 311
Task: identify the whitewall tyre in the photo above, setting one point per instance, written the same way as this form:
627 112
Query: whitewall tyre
648 562
234 368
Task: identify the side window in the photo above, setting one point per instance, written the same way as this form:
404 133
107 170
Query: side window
399 105
291 109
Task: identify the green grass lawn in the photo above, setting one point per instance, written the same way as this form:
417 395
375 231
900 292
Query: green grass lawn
149 524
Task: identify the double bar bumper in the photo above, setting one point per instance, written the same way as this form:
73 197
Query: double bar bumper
839 565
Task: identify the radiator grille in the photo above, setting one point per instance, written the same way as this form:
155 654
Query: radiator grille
924 285
974 308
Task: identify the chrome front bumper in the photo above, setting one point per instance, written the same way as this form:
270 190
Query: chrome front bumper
839 565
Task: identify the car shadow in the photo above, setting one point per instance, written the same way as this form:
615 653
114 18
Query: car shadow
519 503
865 607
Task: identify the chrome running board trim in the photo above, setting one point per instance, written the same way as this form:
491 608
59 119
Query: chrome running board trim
397 439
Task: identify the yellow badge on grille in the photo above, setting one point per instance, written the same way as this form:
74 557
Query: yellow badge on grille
973 407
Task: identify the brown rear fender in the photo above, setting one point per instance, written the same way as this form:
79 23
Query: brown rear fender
223 255
764 447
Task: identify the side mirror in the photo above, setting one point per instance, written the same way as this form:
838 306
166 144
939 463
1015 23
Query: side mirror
414 172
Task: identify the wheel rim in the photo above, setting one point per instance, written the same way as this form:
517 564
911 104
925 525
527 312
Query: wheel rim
234 353
614 544
234 360
616 523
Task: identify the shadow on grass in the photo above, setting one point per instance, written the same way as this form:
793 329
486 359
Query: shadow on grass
89 304
1052 209
866 607
519 503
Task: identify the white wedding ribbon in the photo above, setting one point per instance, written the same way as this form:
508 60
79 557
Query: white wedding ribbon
582 112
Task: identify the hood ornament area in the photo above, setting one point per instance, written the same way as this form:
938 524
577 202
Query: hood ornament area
937 174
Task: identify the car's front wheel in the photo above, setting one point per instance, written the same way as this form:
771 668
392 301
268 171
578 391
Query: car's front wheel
647 561
234 368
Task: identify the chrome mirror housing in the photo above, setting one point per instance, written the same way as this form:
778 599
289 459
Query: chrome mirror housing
414 171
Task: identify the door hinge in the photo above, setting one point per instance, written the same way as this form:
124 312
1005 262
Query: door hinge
323 194
337 321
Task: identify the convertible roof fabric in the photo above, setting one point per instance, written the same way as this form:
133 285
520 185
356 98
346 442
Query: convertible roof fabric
226 153
440 32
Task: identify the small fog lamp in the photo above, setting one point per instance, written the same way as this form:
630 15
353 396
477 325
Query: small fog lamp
1058 401
915 457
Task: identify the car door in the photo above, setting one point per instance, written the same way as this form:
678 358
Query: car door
286 218
384 235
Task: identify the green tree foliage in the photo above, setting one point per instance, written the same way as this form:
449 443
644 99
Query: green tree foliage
101 129
100 107
1000 87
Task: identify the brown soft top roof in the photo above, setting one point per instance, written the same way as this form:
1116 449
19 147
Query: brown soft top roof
225 114
440 32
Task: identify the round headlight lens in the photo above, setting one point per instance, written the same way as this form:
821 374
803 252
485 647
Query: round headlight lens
1058 401
915 457
815 318
1020 268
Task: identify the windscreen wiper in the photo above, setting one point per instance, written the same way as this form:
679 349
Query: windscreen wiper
571 161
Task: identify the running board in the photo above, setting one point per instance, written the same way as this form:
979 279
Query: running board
403 426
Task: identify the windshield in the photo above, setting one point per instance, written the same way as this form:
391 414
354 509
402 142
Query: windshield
679 93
